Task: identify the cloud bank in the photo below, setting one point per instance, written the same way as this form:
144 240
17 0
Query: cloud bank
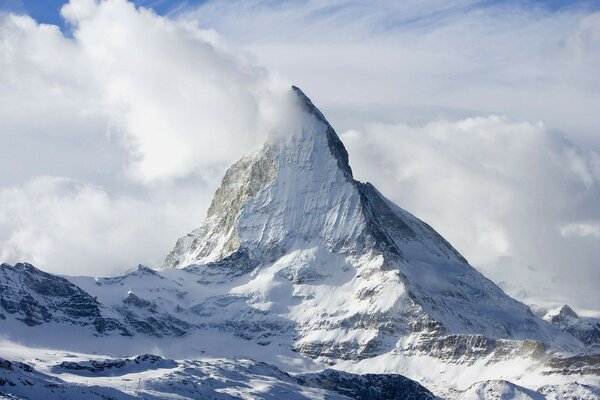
517 199
177 99
75 228
114 137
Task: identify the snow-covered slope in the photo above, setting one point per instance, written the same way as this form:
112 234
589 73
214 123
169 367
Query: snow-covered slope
499 390
570 391
21 381
150 376
504 390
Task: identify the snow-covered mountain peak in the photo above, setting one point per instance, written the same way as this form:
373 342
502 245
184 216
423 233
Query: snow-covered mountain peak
290 232
586 329
295 189
298 191
333 141
562 312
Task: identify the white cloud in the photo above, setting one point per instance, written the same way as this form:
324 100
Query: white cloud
79 10
114 139
69 227
496 189
411 61
177 99
581 229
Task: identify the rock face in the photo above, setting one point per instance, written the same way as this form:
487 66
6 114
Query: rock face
368 386
365 276
587 330
35 297
114 367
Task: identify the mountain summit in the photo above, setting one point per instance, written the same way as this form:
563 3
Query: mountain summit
352 272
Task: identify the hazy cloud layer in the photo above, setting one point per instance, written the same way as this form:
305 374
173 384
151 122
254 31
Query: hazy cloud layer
514 197
171 94
115 134
412 61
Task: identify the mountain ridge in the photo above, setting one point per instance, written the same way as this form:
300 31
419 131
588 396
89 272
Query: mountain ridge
363 224
300 265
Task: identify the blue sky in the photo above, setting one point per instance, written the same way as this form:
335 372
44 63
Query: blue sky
48 11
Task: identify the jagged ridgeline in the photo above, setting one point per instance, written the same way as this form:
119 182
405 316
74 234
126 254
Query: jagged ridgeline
300 265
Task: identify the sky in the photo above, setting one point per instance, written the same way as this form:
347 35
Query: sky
118 120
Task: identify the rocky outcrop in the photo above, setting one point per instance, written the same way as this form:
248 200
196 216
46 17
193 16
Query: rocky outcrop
587 330
35 297
499 390
367 386
581 364
114 366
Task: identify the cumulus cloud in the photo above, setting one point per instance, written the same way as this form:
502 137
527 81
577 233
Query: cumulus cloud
115 135
174 96
504 192
69 227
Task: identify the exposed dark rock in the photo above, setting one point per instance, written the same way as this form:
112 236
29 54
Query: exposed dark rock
36 297
587 330
138 302
368 386
585 364
114 367
155 324
236 264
